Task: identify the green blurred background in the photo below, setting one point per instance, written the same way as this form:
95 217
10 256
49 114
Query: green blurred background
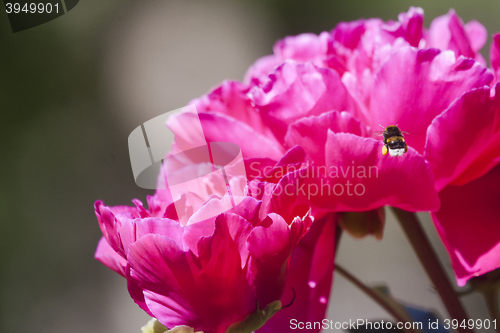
72 90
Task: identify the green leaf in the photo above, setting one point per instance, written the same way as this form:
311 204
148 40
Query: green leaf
250 324
255 320
154 326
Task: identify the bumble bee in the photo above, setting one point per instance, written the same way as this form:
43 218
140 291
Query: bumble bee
394 142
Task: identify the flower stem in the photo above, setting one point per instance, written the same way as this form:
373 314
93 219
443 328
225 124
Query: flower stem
492 304
428 258
488 285
396 311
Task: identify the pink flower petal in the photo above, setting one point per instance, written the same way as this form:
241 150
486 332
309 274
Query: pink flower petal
159 226
109 226
348 34
292 160
450 153
249 209
220 128
136 293
310 275
105 254
194 232
208 292
411 25
302 48
259 71
477 35
256 167
459 40
267 272
239 230
156 266
285 200
187 130
157 206
358 177
231 100
311 132
495 55
469 225
299 90
413 87
448 32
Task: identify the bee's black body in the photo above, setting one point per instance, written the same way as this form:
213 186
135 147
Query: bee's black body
391 131
394 141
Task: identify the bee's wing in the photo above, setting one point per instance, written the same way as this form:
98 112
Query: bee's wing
379 133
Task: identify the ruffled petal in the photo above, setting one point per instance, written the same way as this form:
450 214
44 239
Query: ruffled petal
110 226
230 99
105 254
266 272
259 71
410 26
413 87
462 143
248 209
239 230
292 160
477 35
311 132
136 293
302 48
159 226
358 177
469 225
221 128
448 32
285 200
495 56
299 90
347 34
309 276
208 292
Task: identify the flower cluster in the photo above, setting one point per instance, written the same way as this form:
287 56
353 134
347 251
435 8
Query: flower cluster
316 103
219 270
329 93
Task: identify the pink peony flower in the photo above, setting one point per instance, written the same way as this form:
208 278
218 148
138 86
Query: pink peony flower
297 97
466 171
207 275
329 92
306 120
495 56
211 274
448 32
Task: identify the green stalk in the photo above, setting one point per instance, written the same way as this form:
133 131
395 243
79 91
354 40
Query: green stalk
389 305
492 303
488 285
428 258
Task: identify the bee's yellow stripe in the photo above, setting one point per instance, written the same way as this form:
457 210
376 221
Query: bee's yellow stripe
395 138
